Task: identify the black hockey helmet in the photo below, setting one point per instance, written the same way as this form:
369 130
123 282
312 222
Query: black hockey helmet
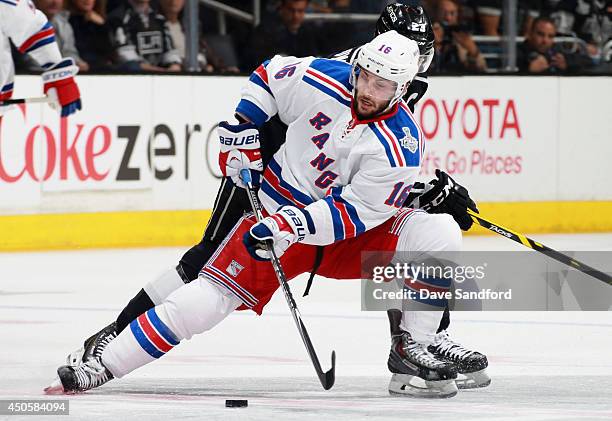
411 22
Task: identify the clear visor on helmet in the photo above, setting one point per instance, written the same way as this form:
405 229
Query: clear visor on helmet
369 85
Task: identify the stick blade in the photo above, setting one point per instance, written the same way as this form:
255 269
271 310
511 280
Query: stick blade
329 378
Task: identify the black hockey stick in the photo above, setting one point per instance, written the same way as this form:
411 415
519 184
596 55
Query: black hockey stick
528 242
36 100
328 378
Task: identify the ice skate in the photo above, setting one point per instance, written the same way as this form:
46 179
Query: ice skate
417 373
81 378
91 351
471 365
94 345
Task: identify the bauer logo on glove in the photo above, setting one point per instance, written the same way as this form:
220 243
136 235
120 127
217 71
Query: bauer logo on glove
284 228
239 150
243 141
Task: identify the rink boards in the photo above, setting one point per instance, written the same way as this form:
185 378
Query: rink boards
137 166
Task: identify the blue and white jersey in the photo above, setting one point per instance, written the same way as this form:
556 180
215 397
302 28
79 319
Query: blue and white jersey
350 175
31 33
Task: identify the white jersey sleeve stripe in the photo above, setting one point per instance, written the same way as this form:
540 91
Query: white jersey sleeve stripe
45 36
273 175
258 103
345 221
272 90
273 194
281 195
348 213
260 78
337 222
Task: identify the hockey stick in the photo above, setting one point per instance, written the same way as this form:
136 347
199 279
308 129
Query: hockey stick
528 242
328 378
35 100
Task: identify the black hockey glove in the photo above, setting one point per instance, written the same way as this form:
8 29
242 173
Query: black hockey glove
443 195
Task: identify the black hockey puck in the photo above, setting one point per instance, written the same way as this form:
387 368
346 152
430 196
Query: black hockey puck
236 403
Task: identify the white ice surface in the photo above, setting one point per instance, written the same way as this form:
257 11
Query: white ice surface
544 366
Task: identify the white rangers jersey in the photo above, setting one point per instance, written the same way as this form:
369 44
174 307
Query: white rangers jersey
31 33
350 175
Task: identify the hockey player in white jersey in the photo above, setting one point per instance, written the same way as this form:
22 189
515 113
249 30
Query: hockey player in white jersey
32 34
441 195
353 151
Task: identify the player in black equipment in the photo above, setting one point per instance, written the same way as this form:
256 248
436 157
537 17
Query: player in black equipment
441 195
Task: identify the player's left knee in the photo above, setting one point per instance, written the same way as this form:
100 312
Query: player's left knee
430 232
446 232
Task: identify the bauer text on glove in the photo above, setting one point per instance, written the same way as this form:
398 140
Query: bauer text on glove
239 150
284 228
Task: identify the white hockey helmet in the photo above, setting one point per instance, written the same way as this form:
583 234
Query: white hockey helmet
390 56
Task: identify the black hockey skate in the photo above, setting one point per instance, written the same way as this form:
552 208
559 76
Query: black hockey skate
471 365
84 369
418 373
94 345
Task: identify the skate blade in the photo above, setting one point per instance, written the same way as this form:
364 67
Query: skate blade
55 388
415 387
475 380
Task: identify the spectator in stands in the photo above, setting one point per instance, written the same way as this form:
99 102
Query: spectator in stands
594 25
450 57
63 32
456 40
141 38
92 33
562 13
284 33
538 53
209 62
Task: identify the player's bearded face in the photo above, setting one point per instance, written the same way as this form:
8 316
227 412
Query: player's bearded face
373 94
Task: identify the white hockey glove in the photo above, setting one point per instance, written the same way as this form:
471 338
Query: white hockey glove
286 227
239 150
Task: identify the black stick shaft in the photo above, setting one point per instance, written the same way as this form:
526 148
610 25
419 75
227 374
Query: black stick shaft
528 242
38 100
328 378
